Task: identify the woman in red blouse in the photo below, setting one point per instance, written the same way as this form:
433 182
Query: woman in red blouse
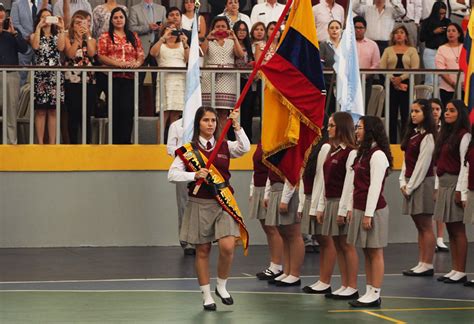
120 48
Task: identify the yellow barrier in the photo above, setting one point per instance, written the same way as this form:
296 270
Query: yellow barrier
55 158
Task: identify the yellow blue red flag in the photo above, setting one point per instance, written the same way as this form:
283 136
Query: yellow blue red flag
295 95
467 65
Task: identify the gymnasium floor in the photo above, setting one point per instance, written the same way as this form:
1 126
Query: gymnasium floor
157 285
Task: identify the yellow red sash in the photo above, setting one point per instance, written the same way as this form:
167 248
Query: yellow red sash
216 185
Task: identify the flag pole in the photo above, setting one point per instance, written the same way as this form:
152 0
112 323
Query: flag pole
244 91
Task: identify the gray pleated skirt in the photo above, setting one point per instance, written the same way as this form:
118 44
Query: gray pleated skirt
469 210
257 209
377 237
330 226
446 209
274 217
421 200
204 221
309 225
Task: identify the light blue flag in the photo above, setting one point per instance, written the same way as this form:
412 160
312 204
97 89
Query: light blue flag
192 97
349 89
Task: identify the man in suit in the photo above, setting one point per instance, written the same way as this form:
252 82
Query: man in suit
146 19
23 15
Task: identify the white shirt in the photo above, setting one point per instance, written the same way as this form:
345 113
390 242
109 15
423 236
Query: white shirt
422 165
177 171
175 137
266 13
414 10
464 184
241 16
323 15
459 8
318 183
379 24
345 203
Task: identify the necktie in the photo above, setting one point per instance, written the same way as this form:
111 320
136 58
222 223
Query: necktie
34 10
149 11
208 145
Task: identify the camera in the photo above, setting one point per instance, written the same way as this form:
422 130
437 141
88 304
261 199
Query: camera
221 34
176 33
52 20
6 24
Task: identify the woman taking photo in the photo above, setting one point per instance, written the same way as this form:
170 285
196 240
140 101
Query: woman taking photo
450 151
120 48
447 58
48 42
204 219
417 182
80 51
368 225
399 55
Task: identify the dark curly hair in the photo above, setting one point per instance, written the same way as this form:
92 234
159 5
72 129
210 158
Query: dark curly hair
428 123
449 132
374 132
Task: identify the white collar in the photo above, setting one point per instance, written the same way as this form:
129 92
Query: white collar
203 142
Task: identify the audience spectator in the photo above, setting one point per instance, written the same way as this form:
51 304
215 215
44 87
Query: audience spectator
411 20
458 10
101 16
187 19
11 44
218 6
80 49
325 12
257 35
327 52
266 12
273 46
447 58
380 19
428 7
121 48
399 55
231 12
146 19
67 8
96 3
433 34
171 50
47 42
173 17
23 15
220 49
247 107
368 54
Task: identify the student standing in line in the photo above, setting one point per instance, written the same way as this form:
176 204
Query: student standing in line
205 220
417 182
258 210
450 150
368 225
330 213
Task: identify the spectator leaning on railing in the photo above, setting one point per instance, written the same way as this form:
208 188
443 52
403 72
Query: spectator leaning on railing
47 42
231 12
80 51
11 43
120 48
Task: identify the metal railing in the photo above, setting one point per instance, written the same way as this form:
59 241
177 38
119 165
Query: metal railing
160 78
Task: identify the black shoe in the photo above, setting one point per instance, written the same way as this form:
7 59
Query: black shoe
210 307
286 284
309 290
469 284
442 278
330 295
342 297
451 281
411 273
268 274
358 304
225 301
441 248
189 251
273 281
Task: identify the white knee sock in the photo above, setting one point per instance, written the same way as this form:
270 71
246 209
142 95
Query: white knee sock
371 296
367 290
206 294
221 287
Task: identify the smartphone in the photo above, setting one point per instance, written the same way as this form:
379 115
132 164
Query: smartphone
221 34
176 33
6 24
52 20
158 22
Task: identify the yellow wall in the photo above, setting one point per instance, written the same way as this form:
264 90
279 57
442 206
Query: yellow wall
106 158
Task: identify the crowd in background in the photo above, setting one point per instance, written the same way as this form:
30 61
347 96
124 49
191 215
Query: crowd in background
390 34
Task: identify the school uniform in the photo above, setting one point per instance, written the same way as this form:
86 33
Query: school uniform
368 174
204 219
417 174
450 172
308 223
257 209
280 191
334 171
467 192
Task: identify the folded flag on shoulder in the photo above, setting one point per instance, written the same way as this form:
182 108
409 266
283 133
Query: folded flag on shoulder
466 63
295 96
